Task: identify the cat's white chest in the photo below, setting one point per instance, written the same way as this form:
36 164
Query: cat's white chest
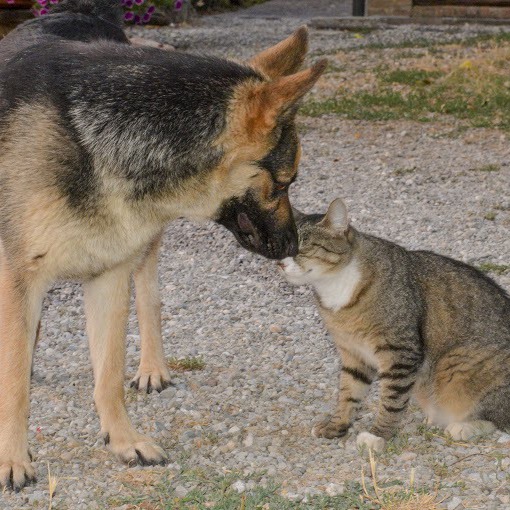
338 289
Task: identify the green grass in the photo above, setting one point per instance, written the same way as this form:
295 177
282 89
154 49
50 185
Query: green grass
489 267
397 444
186 364
497 38
476 90
216 493
479 108
413 77
490 216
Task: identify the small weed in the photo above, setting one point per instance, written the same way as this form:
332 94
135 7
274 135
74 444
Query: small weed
489 267
393 495
491 167
406 43
404 171
497 39
440 469
397 444
499 456
187 364
491 216
412 77
334 68
410 54
52 487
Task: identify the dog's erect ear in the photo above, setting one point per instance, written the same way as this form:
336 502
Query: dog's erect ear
285 58
337 217
267 102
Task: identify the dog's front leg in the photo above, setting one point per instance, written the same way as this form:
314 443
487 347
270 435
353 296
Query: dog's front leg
153 371
20 308
106 310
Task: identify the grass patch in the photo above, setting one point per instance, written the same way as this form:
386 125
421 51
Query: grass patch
490 216
470 84
452 97
499 269
187 364
394 495
413 77
497 38
397 444
218 493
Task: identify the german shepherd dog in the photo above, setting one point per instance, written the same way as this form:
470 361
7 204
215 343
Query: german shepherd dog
101 145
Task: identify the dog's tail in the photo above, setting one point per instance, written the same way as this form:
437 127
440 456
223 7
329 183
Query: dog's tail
107 10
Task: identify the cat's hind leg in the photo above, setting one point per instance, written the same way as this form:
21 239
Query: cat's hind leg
494 409
354 382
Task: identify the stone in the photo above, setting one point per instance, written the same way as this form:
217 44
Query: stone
239 486
455 504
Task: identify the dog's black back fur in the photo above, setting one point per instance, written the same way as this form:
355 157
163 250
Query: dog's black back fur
142 98
76 20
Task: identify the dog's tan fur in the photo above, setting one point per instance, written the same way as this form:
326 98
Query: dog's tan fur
44 239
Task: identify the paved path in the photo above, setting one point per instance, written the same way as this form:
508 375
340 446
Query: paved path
303 9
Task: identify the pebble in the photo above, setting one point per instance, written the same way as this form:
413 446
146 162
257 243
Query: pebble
455 504
181 491
239 486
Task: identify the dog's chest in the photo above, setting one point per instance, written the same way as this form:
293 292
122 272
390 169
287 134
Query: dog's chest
86 247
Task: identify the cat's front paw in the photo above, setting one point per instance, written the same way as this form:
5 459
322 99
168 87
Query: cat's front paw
330 428
367 439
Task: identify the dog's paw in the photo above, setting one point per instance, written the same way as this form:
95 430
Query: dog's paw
16 472
371 441
148 379
138 449
463 431
330 428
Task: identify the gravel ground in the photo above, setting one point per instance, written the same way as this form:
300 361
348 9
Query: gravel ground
270 370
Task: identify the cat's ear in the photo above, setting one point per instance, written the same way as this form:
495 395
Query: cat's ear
337 217
298 215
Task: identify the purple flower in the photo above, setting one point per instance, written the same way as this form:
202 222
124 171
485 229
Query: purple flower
43 11
42 2
128 3
146 18
139 2
178 5
10 1
151 10
128 16
137 19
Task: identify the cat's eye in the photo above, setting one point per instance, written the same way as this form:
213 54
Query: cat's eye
280 187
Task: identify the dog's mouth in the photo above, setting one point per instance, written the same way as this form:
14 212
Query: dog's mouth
247 229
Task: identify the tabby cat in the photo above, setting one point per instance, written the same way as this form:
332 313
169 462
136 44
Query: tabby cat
423 324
